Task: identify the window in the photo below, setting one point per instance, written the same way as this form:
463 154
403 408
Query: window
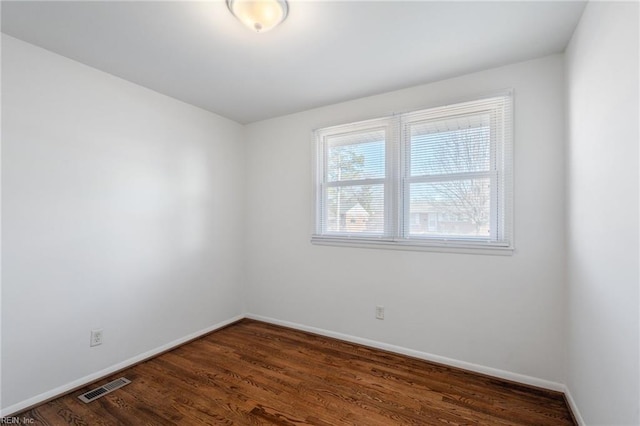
437 178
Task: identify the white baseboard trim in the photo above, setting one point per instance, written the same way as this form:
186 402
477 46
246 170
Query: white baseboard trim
502 374
61 390
574 407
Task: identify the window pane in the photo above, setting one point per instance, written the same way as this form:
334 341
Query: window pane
359 156
454 208
438 177
355 209
450 146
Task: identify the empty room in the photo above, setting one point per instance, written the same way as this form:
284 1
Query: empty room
320 212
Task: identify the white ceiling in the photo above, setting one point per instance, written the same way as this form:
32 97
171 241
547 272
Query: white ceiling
325 52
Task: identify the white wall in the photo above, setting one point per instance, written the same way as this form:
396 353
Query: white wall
496 311
602 215
121 209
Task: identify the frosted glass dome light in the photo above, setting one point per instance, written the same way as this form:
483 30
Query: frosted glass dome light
259 15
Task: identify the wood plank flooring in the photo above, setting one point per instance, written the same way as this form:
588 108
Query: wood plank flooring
252 373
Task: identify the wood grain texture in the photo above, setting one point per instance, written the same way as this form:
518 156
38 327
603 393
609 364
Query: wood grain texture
252 373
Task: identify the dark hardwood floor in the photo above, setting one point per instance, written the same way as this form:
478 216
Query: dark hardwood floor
254 373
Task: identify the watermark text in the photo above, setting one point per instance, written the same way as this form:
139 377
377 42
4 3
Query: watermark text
16 421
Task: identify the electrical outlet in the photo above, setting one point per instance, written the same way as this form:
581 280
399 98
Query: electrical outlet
380 312
96 337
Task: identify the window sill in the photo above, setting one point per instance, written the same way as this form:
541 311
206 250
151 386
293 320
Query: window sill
415 245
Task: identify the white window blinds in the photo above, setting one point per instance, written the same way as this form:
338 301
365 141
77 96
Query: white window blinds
439 177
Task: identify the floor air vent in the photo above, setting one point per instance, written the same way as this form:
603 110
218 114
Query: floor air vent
92 395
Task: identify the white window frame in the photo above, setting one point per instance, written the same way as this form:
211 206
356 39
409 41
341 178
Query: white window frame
397 177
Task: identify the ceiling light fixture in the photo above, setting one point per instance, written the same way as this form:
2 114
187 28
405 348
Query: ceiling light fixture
259 15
